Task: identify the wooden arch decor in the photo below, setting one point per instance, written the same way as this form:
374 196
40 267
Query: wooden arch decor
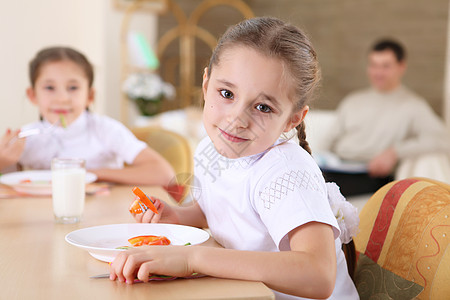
186 31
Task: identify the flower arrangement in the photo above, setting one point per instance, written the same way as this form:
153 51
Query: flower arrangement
147 90
346 214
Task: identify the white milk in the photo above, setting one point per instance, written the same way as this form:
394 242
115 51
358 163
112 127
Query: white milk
68 192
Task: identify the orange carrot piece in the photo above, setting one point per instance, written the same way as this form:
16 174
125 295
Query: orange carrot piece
143 202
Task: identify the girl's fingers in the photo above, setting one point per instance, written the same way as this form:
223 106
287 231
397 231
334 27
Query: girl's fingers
12 134
116 268
147 216
138 217
127 264
160 207
141 263
10 140
132 266
156 218
150 217
6 137
112 276
145 271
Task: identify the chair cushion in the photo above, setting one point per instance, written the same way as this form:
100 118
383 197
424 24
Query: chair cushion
403 242
373 281
176 150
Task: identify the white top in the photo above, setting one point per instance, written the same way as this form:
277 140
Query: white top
102 141
369 122
252 203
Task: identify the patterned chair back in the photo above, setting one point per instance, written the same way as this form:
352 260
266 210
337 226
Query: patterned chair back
403 243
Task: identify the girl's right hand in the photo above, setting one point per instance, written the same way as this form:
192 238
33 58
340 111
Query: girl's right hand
166 214
11 148
143 261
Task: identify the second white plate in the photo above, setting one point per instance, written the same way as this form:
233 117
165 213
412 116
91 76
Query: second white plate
39 181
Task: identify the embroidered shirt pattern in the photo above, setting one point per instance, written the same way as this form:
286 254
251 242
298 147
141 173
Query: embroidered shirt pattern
286 183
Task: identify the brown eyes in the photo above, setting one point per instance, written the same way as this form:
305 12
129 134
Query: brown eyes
264 108
52 88
226 94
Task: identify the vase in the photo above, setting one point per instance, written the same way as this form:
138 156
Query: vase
148 107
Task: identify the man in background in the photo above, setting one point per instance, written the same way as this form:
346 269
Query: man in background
383 124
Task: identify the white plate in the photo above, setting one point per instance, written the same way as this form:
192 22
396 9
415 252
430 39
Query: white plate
101 241
40 181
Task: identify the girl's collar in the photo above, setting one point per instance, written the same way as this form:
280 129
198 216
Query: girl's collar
245 162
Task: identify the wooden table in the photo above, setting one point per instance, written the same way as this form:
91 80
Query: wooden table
37 263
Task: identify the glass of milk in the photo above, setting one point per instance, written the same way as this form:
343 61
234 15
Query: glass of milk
68 189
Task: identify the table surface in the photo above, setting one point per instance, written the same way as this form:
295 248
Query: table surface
37 263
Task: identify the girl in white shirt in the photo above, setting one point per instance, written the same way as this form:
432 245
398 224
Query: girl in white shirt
61 87
263 198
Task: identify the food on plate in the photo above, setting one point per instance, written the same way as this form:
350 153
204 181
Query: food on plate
146 240
142 203
29 181
149 240
124 247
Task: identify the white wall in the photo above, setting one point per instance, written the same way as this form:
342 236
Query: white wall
92 27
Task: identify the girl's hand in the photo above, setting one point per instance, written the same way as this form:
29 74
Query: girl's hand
166 214
144 261
11 148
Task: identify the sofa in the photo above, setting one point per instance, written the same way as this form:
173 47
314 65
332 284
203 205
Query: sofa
434 166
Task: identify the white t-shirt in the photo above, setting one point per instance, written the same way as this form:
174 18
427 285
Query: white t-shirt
252 203
102 141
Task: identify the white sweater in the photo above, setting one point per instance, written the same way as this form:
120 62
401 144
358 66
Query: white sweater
369 122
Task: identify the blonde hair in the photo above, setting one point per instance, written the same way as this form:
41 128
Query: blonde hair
275 38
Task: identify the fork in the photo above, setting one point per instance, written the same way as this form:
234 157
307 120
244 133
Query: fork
153 277
35 131
29 132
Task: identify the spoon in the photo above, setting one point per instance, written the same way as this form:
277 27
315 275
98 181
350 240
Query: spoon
35 131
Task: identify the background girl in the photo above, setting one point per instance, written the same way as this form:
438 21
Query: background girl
61 87
263 198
